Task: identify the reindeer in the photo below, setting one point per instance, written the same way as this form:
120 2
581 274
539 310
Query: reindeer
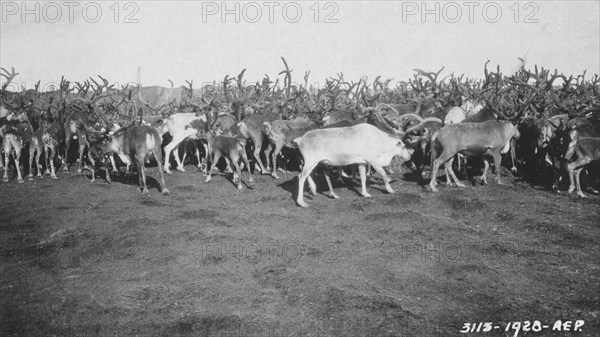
16 136
133 144
233 149
78 118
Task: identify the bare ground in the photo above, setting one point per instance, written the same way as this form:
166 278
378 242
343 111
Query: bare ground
93 259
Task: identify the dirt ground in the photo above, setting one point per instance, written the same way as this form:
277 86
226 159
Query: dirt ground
98 259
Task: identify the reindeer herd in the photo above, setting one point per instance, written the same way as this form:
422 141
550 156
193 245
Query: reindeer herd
549 128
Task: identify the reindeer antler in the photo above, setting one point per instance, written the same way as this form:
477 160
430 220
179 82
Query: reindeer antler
288 78
9 76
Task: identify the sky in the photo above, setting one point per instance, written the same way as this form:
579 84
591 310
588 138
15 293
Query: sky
206 40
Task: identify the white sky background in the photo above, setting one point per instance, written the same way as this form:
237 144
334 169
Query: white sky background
370 38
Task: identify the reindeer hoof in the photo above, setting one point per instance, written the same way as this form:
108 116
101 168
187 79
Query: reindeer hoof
145 192
274 175
5 179
333 195
166 192
461 185
239 187
180 169
366 195
53 177
302 203
21 181
580 194
391 191
30 177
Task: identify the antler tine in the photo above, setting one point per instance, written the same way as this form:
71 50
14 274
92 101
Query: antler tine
242 92
189 90
424 73
82 89
437 74
306 74
9 76
105 81
485 71
288 77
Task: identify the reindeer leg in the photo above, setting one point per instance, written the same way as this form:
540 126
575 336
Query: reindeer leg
82 144
497 162
197 146
245 158
52 169
178 160
257 147
327 172
444 158
228 168
93 167
486 163
185 151
213 164
238 169
67 146
17 147
513 144
574 171
386 179
362 168
301 180
168 149
47 159
276 152
107 174
139 161
577 174
31 158
6 159
37 161
157 155
447 171
453 175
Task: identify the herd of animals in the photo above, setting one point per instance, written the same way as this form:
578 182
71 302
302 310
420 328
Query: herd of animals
544 127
